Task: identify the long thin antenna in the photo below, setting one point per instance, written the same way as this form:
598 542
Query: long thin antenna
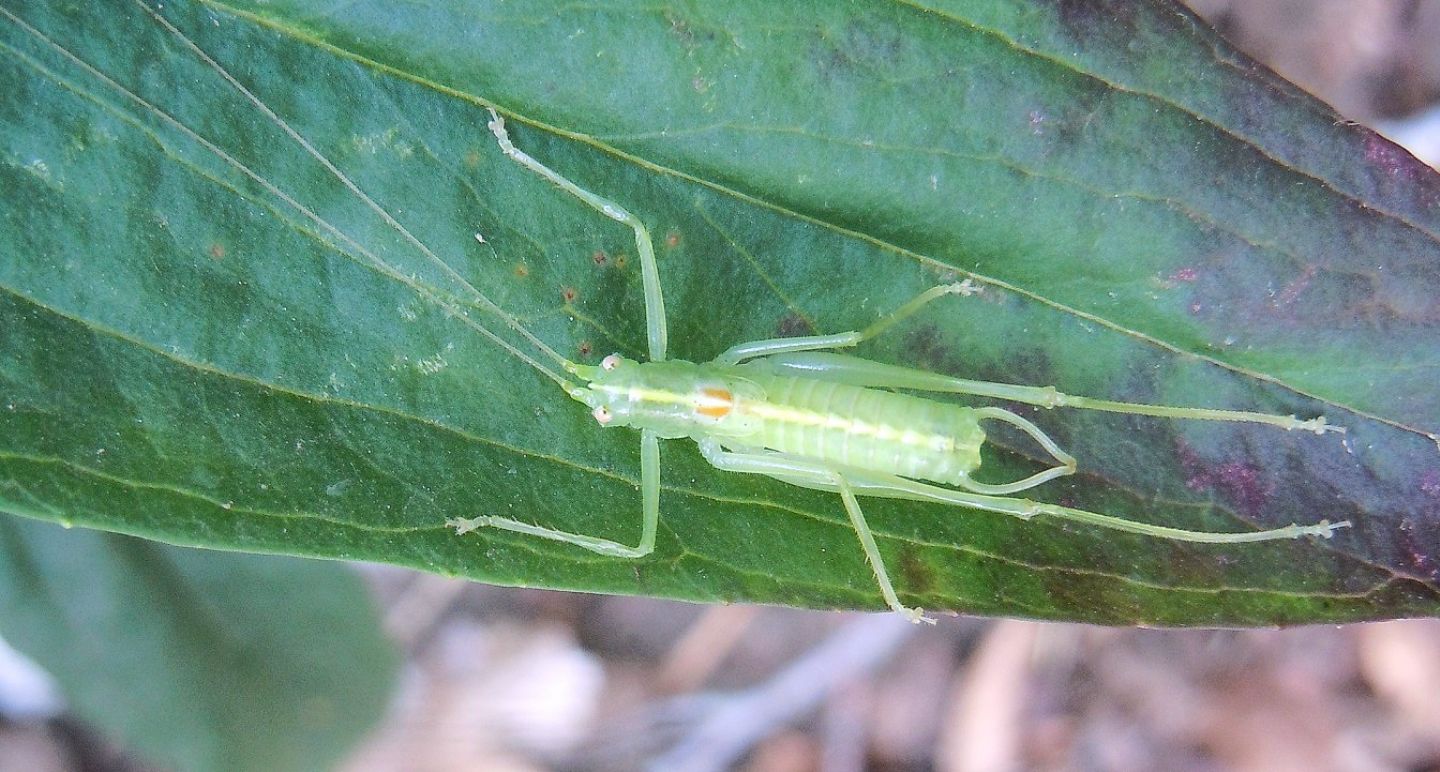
374 261
345 180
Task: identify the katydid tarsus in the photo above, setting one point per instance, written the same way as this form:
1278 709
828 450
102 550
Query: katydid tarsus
792 410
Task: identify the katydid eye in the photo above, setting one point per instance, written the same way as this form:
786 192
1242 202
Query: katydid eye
611 362
602 415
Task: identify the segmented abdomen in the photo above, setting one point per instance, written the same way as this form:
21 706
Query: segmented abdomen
868 428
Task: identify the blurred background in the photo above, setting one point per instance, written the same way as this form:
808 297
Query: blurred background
504 679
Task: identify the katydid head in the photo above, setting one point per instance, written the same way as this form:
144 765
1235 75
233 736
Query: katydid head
672 398
611 390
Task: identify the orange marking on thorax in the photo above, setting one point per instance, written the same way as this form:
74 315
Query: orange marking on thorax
715 403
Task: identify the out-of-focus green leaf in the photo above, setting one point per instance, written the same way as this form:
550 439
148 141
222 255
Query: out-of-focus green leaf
198 660
196 346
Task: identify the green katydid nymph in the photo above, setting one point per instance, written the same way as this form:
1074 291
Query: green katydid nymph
786 408
792 410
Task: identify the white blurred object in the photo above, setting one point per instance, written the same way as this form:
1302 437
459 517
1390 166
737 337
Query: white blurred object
27 693
1420 134
534 688
488 697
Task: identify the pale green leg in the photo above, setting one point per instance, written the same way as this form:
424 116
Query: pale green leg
853 370
867 483
879 485
649 507
1067 461
803 356
771 346
649 272
790 468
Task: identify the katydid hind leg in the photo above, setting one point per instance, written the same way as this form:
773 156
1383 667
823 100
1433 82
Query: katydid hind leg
855 371
880 485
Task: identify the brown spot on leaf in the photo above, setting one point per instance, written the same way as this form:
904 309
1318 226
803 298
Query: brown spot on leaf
569 294
791 325
522 270
918 579
672 239
217 251
599 257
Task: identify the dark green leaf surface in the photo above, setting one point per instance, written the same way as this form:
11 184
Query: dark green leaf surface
193 352
197 660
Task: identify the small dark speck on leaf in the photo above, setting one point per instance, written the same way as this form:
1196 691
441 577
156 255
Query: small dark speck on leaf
621 260
791 325
569 294
599 257
585 348
522 270
924 347
918 576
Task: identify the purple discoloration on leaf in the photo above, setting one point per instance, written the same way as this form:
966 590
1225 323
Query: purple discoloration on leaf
1393 160
1293 290
1419 544
1088 19
1430 483
1239 483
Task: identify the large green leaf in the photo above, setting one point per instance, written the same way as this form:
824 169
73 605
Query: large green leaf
197 660
197 346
